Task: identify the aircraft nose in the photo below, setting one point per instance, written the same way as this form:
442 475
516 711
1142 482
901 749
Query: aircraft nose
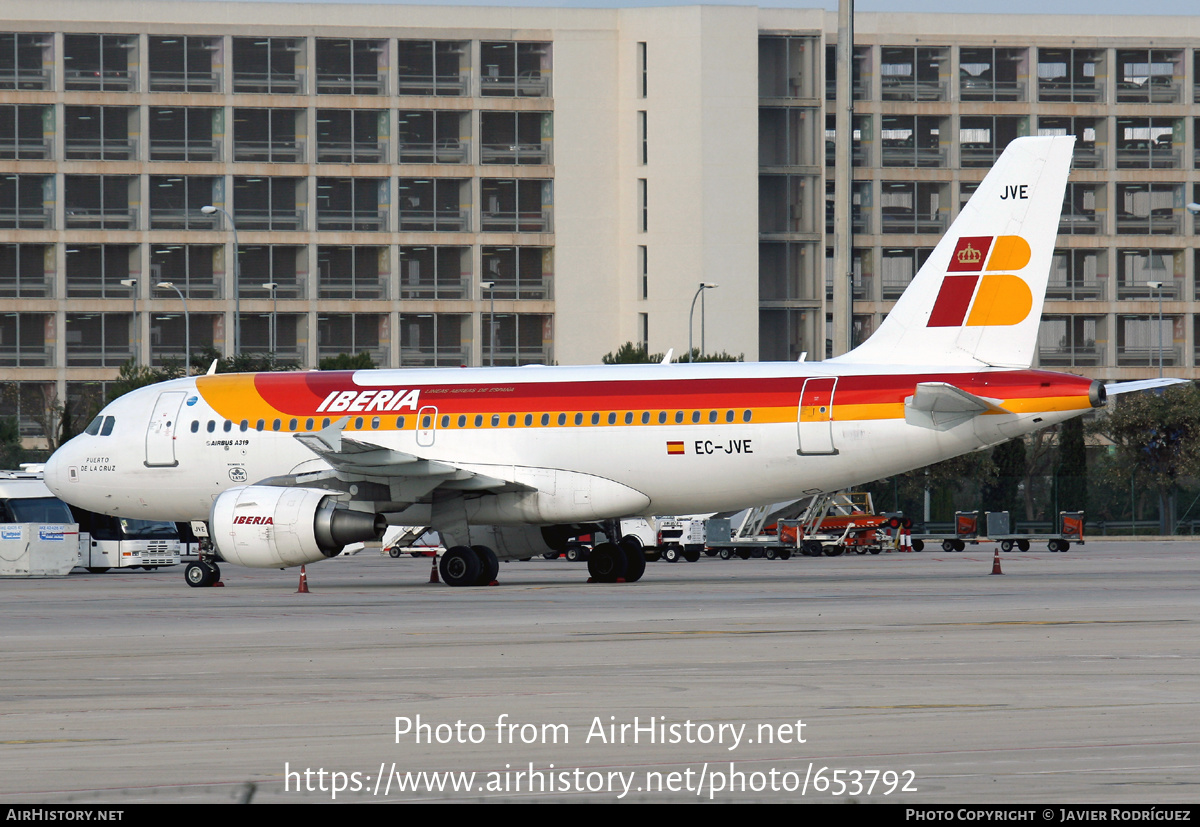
55 472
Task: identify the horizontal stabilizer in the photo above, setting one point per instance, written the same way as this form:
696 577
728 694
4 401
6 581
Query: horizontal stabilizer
1115 388
940 406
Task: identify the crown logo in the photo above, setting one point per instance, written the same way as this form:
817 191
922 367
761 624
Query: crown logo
969 255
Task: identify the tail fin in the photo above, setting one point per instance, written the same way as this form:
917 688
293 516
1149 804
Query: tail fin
978 298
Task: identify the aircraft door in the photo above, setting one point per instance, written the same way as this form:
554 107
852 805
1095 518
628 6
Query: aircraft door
160 433
426 425
814 417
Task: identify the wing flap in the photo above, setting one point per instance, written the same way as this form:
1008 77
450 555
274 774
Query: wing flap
354 459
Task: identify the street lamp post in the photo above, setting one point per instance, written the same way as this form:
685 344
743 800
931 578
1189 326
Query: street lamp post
488 285
137 328
1156 286
187 326
273 286
703 286
209 209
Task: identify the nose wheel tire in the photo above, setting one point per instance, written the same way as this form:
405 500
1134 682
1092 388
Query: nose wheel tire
201 574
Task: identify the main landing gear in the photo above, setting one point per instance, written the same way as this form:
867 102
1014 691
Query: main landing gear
611 562
469 566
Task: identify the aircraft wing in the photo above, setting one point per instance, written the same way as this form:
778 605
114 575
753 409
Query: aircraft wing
409 477
940 406
1115 388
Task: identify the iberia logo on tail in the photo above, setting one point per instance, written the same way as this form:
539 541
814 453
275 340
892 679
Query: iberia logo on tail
984 295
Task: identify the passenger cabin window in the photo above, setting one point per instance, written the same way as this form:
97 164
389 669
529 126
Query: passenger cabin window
212 426
195 426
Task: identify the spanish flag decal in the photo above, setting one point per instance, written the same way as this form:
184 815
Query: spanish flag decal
674 448
993 298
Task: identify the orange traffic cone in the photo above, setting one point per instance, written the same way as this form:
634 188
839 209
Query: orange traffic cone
996 563
303 582
433 575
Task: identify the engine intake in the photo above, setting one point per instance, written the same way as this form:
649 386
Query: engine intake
267 526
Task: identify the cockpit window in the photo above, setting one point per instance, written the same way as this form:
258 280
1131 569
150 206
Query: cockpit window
94 427
106 429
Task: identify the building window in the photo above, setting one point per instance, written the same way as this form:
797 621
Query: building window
641 69
100 202
261 203
519 272
23 340
176 202
434 137
22 61
643 272
268 65
99 62
350 67
21 132
351 136
434 67
283 265
429 272
183 64
23 202
643 154
192 268
435 340
99 133
351 272
99 339
184 133
516 205
26 271
643 207
96 271
510 69
436 204
352 204
351 334
514 138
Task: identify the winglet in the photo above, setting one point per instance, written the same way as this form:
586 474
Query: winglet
212 369
667 359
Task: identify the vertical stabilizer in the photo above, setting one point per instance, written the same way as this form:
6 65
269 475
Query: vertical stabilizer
978 299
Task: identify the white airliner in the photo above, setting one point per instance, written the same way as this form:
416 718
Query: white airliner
288 468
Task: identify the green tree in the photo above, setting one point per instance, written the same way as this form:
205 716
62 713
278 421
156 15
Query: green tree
631 354
11 452
133 376
345 361
1002 491
1157 439
1071 471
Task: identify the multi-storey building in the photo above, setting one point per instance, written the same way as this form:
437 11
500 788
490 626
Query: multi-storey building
452 185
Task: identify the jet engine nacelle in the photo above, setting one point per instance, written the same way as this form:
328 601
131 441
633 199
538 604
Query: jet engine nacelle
268 526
